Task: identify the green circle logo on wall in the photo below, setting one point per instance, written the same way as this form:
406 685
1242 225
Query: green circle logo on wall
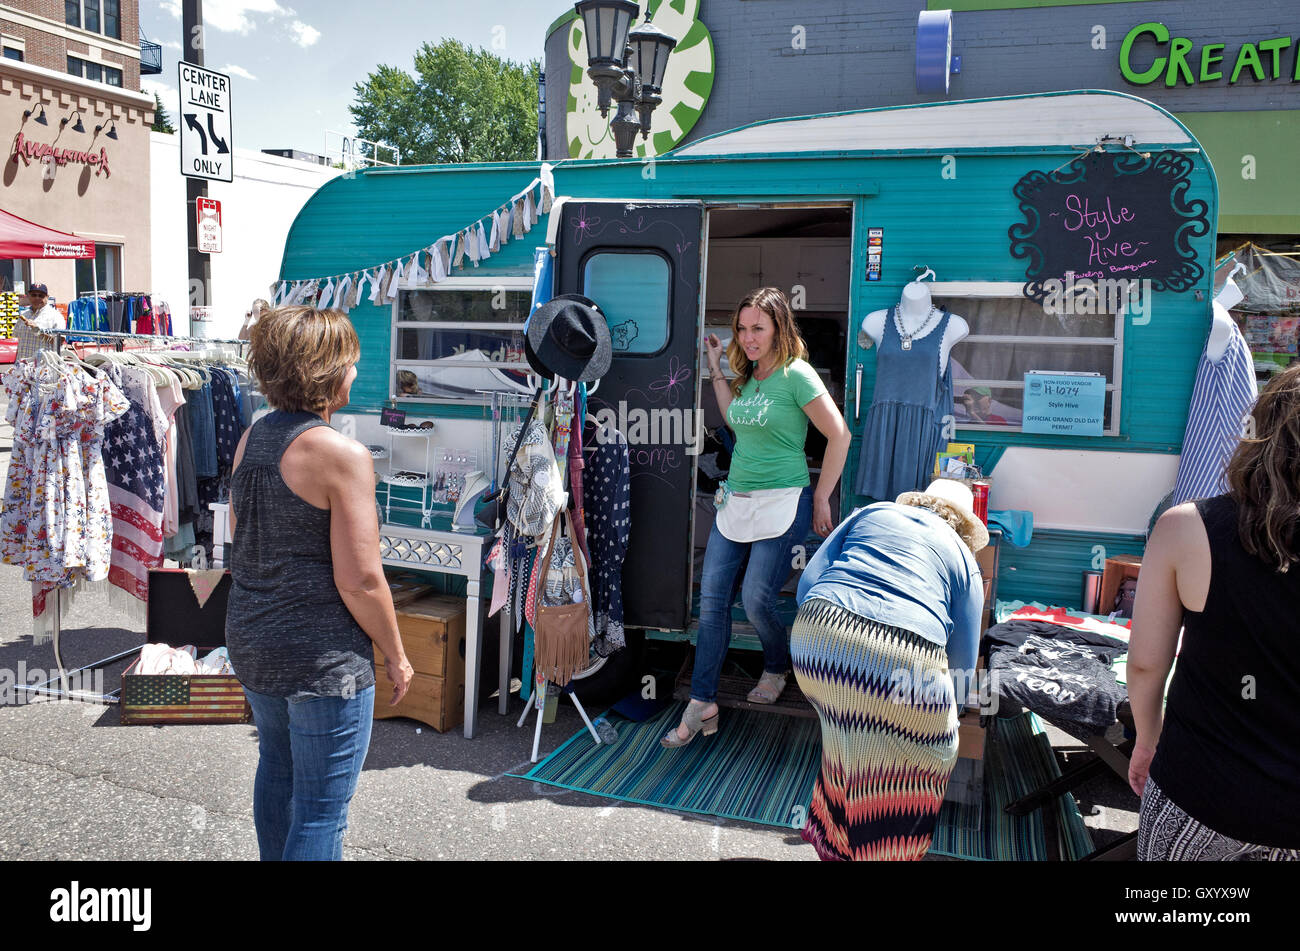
687 84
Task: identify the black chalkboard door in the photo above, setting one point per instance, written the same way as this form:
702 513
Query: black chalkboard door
640 261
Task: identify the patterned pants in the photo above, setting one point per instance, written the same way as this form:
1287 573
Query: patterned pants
1167 834
889 733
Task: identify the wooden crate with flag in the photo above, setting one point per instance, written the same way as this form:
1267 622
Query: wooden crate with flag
182 698
185 607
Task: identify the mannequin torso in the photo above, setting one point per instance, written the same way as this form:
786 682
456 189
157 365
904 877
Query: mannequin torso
1221 330
917 321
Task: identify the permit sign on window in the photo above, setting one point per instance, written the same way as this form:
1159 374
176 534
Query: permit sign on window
1064 404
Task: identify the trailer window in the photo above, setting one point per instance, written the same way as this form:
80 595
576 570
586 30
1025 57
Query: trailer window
633 289
460 342
1010 336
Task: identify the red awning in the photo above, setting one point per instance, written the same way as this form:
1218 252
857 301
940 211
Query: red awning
20 238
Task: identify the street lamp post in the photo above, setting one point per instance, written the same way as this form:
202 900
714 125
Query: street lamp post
626 65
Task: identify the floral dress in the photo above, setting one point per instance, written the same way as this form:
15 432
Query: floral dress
55 520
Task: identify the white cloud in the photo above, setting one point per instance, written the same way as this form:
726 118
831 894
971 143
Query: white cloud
170 44
236 16
170 97
303 34
173 7
239 71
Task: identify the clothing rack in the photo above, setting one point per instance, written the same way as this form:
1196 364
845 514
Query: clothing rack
153 338
47 688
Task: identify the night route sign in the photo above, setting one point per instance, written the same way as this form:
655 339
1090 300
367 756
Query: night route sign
206 149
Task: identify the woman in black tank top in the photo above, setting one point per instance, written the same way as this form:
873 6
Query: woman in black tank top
309 606
1218 769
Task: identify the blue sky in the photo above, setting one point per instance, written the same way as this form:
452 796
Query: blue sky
293 64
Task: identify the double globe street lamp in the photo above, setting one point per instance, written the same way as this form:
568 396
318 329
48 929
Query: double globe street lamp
626 65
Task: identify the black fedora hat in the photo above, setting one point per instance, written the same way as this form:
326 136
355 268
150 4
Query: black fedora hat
569 337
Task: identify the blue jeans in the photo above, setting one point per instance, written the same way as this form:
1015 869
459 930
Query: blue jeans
769 565
311 751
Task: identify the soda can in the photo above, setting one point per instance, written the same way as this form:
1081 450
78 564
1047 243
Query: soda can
980 490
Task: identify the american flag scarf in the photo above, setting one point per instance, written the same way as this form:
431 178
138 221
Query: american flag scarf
133 463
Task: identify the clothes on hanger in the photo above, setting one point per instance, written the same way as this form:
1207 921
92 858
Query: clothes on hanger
56 520
1222 396
904 427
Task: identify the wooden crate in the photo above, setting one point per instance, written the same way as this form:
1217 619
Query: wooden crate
182 698
433 636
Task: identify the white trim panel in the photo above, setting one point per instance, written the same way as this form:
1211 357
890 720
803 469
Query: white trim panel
1075 120
1083 490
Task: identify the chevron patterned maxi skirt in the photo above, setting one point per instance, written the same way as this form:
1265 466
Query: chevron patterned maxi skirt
889 733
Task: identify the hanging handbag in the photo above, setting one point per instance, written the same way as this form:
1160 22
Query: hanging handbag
560 644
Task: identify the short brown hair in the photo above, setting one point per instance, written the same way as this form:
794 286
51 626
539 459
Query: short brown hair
301 356
1264 474
786 341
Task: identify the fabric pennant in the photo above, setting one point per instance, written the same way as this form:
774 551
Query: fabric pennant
326 295
494 237
459 259
204 582
394 281
531 209
548 186
377 283
437 272
342 292
517 218
503 224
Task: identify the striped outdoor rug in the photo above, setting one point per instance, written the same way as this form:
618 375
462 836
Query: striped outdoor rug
760 768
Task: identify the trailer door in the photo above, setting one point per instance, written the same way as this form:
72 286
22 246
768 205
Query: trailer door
640 261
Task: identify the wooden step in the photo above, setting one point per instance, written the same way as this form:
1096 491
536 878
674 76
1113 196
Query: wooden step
732 692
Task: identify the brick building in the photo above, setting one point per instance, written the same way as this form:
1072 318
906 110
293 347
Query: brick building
77 128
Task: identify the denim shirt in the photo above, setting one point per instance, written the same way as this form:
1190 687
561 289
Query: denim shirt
904 567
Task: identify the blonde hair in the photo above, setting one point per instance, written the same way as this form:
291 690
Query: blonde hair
301 356
787 342
955 518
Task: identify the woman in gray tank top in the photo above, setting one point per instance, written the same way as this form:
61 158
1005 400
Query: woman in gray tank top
308 602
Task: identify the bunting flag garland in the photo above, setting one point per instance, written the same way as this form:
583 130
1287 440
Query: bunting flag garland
429 265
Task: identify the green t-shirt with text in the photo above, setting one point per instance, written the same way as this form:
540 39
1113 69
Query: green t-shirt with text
771 426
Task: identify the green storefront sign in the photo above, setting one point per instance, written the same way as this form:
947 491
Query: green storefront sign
1179 61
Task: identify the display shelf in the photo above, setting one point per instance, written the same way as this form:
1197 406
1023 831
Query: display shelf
411 479
378 452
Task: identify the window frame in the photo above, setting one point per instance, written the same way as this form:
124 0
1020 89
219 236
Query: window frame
487 284
100 15
104 69
668 320
995 290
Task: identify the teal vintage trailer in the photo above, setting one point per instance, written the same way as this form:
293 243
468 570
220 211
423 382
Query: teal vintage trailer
841 211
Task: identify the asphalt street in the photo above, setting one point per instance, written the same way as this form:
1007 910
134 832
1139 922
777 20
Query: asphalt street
78 785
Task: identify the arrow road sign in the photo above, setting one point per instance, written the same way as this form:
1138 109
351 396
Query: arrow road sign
205 126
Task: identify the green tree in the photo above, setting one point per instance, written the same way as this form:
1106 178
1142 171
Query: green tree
160 121
462 105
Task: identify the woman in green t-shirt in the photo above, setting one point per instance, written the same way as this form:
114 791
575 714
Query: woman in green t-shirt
767 501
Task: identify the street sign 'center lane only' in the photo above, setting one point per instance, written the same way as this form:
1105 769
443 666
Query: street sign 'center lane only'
206 150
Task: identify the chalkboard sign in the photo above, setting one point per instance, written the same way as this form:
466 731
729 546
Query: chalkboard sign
1110 215
392 417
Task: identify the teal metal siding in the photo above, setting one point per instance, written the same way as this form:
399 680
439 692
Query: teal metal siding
1051 569
364 220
